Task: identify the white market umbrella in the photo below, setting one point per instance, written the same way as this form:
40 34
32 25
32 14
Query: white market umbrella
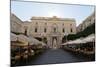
13 37
77 41
65 43
21 40
33 41
90 38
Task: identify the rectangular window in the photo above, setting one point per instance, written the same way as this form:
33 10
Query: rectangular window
71 30
70 24
63 30
35 29
45 30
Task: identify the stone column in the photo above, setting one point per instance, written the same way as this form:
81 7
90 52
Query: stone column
48 42
60 40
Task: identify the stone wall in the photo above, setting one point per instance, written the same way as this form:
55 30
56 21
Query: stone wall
16 25
87 22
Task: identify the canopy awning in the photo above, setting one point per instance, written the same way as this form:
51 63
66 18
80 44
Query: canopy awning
13 37
90 38
33 41
22 40
77 41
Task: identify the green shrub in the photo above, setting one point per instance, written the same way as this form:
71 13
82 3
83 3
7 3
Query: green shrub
89 30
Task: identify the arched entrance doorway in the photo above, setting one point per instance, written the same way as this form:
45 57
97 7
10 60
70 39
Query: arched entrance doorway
54 42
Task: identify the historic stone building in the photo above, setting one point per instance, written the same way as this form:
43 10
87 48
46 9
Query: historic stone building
87 22
16 25
50 30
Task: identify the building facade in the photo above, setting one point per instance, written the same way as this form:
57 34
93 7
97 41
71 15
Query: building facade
87 22
16 25
50 30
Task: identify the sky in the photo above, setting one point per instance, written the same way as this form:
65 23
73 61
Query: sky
25 10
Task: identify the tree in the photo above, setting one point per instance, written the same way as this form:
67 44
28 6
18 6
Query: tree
89 30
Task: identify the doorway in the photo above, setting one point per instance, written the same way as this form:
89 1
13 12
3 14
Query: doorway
54 42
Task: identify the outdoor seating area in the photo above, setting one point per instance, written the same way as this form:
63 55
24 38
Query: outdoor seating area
23 48
84 46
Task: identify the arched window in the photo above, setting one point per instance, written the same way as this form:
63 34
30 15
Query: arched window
54 29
